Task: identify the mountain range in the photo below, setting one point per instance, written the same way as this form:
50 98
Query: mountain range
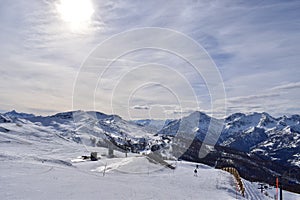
260 146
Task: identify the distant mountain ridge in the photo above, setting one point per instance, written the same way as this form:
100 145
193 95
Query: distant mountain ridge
15 114
256 132
260 146
255 141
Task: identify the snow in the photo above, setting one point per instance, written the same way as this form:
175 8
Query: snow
33 180
28 173
252 191
271 192
39 159
38 168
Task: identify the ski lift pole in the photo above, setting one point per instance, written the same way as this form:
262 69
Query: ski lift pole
277 184
280 191
236 190
104 169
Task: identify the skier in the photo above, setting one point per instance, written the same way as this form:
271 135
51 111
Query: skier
195 172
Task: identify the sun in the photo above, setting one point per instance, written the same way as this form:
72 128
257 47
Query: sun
77 13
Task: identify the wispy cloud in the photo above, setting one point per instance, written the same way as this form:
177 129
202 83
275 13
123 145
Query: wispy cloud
138 107
254 44
251 98
287 86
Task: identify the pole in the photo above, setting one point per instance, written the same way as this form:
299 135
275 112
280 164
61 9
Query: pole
125 144
104 169
280 194
236 191
277 184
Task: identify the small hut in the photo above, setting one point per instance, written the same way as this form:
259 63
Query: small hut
94 156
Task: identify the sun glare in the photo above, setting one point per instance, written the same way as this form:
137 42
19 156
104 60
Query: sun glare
77 13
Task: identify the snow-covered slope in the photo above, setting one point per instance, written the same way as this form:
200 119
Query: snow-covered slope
273 138
151 124
88 128
269 145
37 164
58 139
4 119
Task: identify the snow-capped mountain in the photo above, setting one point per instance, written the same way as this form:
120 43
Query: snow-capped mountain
269 145
4 119
276 138
88 128
151 125
255 141
15 114
260 133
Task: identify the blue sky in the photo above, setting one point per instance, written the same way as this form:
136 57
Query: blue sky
254 44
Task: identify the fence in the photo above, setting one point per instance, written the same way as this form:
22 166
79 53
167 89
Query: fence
237 177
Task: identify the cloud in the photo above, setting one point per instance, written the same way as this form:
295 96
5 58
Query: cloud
287 86
254 44
251 98
138 107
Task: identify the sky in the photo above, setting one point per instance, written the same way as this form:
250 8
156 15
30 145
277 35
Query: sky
135 58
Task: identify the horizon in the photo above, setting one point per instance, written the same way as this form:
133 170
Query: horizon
187 114
150 60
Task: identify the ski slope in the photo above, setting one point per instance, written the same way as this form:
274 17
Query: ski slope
34 176
252 191
36 163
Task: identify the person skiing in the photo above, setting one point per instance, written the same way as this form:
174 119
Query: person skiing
195 172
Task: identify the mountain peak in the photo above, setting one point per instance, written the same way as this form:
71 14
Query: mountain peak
15 114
